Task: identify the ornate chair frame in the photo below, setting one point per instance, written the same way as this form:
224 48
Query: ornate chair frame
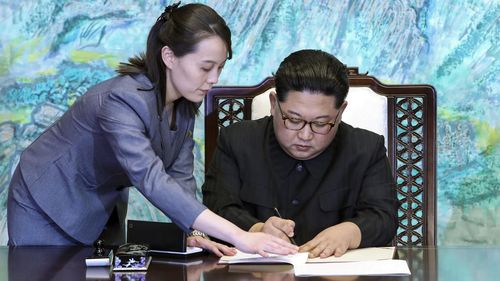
411 117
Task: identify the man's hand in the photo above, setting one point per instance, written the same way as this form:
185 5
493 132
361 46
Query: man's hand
334 240
214 247
277 227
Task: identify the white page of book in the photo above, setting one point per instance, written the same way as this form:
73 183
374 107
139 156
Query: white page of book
242 257
364 254
380 267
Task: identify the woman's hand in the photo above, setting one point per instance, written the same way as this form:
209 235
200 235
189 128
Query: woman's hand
214 247
263 244
249 242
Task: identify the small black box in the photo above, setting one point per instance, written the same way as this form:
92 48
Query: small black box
159 236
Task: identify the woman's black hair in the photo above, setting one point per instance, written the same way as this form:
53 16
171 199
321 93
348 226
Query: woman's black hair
181 29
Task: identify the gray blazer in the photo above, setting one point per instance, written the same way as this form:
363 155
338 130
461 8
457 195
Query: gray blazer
110 139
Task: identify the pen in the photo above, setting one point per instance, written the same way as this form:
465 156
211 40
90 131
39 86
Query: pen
279 216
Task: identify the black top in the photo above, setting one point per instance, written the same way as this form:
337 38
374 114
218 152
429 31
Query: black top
350 181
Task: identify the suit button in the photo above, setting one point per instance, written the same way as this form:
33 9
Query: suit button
299 167
295 202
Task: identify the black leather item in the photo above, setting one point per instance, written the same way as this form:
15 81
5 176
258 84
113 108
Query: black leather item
159 236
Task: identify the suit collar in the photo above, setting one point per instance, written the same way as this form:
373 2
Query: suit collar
143 80
283 164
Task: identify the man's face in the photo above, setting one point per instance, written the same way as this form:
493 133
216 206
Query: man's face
309 106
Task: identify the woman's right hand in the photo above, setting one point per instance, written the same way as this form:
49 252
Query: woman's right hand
249 242
263 244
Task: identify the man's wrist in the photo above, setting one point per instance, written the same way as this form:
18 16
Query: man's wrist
256 227
355 240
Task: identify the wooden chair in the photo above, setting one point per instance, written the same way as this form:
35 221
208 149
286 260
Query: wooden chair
410 141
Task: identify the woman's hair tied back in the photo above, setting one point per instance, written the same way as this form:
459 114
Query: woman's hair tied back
165 16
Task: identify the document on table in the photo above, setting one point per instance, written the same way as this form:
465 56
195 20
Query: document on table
380 267
367 261
363 254
242 257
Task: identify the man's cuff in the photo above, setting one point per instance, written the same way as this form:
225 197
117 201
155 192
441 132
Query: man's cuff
358 222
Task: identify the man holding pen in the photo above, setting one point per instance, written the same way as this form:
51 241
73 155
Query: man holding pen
302 174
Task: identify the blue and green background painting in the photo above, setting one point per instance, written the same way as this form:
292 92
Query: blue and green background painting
51 52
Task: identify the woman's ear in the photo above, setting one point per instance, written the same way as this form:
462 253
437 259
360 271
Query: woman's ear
168 57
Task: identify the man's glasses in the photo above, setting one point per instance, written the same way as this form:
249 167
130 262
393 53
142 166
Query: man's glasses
296 124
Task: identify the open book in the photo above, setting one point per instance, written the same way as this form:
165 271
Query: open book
366 261
363 254
242 257
378 267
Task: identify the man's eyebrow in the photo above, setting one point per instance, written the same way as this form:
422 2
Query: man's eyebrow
300 116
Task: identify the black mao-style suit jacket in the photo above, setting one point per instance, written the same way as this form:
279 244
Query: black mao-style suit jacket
350 181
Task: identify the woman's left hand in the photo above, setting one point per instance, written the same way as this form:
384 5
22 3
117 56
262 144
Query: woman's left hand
214 247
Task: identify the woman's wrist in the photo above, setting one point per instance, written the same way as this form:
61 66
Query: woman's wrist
235 235
197 233
217 227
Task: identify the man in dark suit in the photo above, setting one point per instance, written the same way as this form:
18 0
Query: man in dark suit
331 183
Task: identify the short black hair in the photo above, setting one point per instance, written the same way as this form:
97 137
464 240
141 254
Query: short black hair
313 70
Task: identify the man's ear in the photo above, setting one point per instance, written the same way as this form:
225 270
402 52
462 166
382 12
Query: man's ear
341 110
273 99
343 106
168 57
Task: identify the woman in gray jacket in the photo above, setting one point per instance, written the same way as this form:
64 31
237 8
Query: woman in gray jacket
134 129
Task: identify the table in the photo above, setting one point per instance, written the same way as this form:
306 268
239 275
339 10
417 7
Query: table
67 263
